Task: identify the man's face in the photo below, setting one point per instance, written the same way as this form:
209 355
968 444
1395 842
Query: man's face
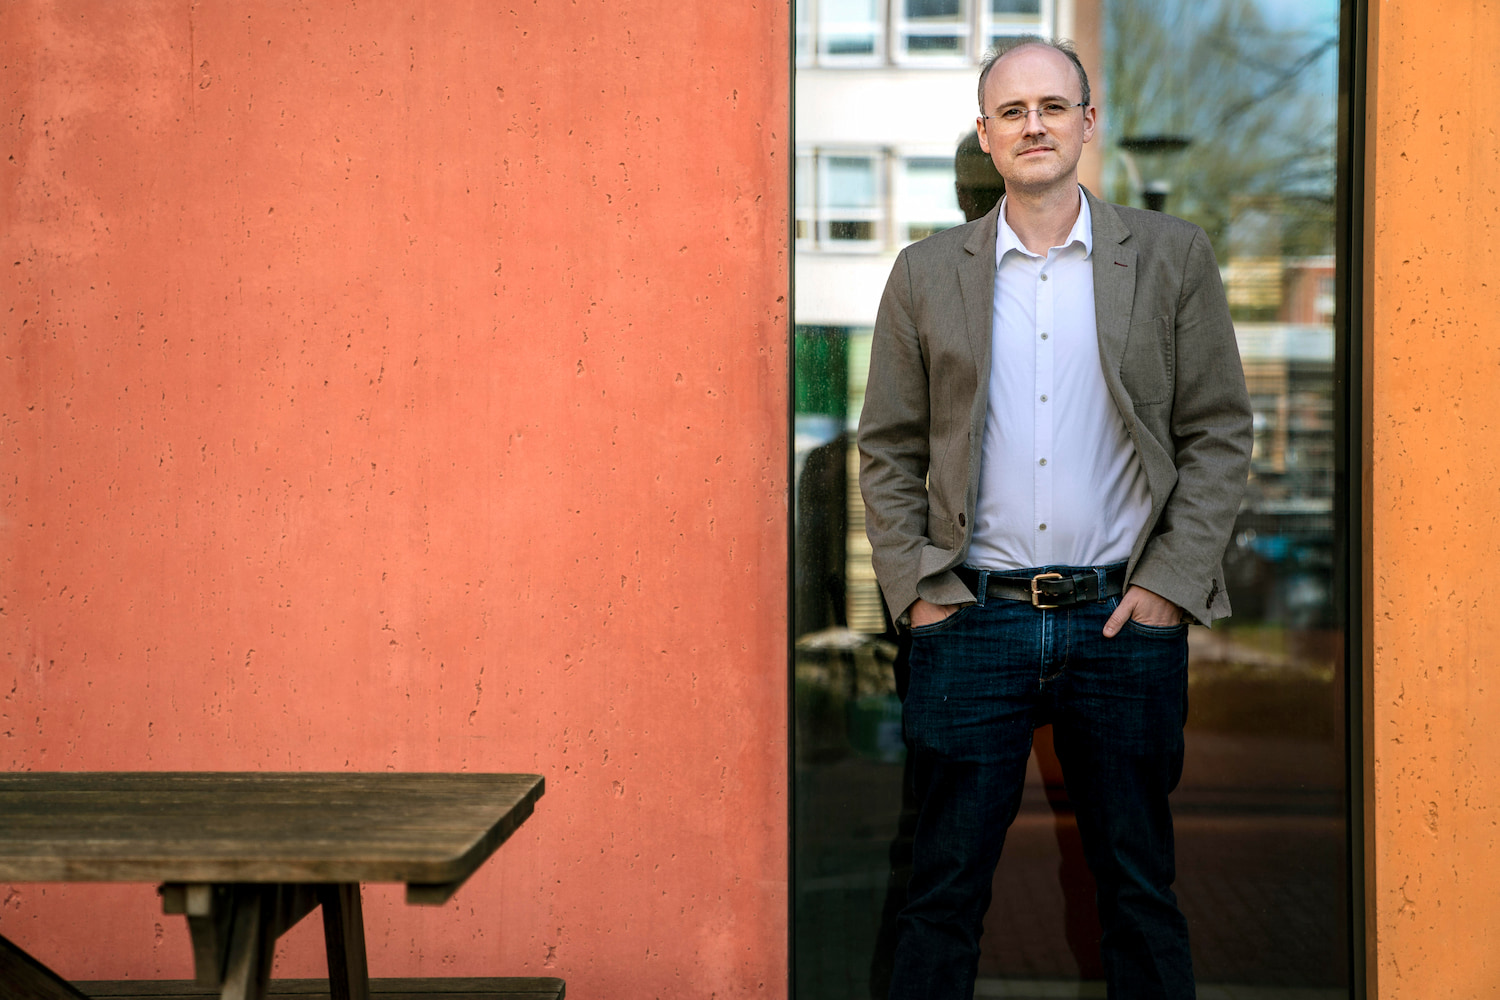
1035 155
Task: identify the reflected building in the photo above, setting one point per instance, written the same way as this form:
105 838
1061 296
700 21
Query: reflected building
885 92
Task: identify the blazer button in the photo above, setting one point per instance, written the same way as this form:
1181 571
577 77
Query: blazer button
962 521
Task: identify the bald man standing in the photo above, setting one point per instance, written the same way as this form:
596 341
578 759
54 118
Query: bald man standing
1054 445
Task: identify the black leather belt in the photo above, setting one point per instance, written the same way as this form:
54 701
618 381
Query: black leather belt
1049 590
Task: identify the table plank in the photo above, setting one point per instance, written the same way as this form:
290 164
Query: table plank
429 829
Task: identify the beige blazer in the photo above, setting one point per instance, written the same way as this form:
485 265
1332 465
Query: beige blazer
1170 360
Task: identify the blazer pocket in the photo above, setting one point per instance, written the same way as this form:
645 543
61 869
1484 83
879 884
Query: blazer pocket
941 531
1146 369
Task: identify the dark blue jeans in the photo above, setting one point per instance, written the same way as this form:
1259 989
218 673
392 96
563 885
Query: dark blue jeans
981 681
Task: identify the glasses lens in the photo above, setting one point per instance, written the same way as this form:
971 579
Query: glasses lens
1015 118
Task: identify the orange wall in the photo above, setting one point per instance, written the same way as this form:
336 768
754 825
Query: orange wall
403 386
1432 349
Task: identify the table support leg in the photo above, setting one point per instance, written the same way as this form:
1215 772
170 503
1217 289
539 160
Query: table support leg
344 935
235 927
252 946
24 978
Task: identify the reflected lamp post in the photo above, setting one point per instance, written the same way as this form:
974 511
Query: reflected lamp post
1154 192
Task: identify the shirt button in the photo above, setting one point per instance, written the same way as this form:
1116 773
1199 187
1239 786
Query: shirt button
1041 527
1044 277
1044 336
1042 462
1044 399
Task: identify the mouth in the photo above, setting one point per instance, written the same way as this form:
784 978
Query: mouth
1035 149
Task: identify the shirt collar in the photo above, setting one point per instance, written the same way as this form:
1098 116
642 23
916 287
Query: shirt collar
1006 239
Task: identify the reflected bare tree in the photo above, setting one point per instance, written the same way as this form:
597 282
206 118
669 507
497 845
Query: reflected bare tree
1253 98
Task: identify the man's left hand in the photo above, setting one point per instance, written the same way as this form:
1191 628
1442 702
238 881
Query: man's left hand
1140 604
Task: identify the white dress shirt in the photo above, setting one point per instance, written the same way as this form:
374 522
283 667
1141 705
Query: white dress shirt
1060 482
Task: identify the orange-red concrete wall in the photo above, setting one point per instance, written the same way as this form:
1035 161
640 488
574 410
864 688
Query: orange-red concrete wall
1432 350
402 385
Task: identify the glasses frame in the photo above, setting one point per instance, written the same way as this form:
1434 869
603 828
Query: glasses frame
1016 124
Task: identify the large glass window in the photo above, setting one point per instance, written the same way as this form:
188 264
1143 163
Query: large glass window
1218 111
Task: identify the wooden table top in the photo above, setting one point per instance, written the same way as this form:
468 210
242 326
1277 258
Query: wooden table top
422 829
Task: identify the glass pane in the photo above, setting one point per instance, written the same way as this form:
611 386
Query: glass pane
928 201
849 182
850 203
804 197
849 11
934 10
803 29
849 27
839 41
935 45
935 27
1221 112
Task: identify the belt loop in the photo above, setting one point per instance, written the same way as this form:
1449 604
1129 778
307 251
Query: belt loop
1099 575
982 591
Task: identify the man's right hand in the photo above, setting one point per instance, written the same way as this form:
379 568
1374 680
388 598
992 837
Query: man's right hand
926 613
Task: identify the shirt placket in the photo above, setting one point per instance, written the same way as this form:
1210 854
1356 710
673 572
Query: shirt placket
1043 530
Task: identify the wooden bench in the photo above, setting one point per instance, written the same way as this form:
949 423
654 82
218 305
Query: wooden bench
520 988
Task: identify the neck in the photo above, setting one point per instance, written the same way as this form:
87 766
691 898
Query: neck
1041 220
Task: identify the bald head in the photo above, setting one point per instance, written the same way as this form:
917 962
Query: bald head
1004 48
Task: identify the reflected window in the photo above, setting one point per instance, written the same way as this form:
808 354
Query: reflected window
850 30
925 197
802 32
849 211
806 216
1015 17
852 33
934 29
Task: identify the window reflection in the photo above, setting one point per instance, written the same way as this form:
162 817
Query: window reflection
1222 112
850 29
925 197
934 28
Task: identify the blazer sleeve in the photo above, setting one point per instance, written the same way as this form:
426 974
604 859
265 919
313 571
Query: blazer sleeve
893 444
1211 439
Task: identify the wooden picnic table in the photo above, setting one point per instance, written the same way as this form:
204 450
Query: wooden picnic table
244 856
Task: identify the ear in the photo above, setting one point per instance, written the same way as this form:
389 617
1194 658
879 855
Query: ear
984 140
1090 122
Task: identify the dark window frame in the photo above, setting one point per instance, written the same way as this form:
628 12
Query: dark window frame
1350 391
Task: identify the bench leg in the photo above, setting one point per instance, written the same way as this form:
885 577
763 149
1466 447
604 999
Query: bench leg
344 935
24 977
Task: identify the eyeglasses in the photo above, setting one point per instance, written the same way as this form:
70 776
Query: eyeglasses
1012 119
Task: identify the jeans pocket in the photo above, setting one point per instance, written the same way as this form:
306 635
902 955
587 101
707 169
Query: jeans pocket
1157 631
917 631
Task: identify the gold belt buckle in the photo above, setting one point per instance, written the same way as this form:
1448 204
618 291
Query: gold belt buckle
1036 596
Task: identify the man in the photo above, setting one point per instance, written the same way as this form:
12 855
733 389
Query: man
1054 444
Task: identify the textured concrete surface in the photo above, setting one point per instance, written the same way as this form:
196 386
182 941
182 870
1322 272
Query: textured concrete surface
402 385
1432 355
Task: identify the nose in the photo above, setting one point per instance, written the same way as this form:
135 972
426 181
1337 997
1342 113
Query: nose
1033 114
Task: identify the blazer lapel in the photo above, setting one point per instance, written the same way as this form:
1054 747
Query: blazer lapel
976 283
1114 291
